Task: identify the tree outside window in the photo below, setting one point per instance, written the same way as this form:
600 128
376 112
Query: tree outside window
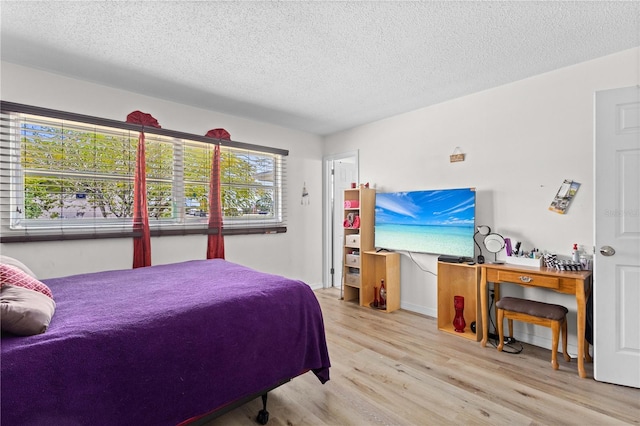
75 172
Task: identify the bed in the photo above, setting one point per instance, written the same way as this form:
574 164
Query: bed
161 345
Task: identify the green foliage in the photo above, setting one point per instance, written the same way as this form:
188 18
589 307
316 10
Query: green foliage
75 172
40 197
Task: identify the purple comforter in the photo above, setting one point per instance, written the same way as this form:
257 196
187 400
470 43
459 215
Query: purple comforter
159 345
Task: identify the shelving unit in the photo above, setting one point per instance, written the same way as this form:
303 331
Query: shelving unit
459 279
357 240
381 266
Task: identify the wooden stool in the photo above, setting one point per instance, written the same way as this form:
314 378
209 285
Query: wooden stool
539 313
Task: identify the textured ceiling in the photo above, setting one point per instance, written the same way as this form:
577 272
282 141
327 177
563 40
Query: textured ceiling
316 66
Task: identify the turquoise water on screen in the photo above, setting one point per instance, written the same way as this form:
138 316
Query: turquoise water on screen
451 240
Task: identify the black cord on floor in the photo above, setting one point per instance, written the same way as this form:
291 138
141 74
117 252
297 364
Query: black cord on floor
508 347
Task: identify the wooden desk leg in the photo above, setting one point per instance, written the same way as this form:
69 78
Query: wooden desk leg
484 307
580 300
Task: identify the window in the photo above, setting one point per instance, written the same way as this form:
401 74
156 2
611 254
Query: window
69 176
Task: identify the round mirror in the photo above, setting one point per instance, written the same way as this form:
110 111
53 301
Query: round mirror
494 243
484 230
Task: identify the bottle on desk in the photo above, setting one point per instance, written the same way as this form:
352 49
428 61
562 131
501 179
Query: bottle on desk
575 254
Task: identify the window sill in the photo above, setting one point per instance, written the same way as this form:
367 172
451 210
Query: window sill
154 233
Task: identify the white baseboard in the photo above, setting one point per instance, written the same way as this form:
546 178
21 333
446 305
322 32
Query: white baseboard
419 309
317 286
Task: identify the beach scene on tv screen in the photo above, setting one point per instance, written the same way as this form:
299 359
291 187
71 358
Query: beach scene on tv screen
436 221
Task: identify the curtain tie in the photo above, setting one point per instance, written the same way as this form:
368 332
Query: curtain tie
139 117
218 134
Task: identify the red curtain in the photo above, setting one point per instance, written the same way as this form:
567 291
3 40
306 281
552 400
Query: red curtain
215 242
141 244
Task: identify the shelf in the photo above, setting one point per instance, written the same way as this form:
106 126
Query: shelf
467 334
381 266
372 266
357 240
459 279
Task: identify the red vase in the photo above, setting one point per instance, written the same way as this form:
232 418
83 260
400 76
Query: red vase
383 295
458 321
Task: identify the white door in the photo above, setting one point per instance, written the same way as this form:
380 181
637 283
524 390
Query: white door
340 171
345 172
616 299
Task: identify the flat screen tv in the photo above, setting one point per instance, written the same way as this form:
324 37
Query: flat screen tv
436 221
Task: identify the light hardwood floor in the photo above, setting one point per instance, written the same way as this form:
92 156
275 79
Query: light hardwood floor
398 369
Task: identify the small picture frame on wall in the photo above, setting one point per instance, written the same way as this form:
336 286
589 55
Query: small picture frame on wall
457 155
564 196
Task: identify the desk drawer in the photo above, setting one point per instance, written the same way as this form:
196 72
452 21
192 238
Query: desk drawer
524 278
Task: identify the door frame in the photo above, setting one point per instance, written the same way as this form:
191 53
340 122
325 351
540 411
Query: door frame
328 211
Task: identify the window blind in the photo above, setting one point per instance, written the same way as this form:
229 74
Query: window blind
66 179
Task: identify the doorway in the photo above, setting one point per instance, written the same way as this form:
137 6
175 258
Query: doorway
339 171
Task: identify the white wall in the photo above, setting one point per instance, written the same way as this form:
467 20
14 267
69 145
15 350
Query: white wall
521 141
295 254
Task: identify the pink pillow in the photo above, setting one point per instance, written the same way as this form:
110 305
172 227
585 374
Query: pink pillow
15 276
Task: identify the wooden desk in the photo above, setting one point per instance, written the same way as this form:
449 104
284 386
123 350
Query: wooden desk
569 282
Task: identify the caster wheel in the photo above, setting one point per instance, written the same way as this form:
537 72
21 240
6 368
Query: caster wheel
263 417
